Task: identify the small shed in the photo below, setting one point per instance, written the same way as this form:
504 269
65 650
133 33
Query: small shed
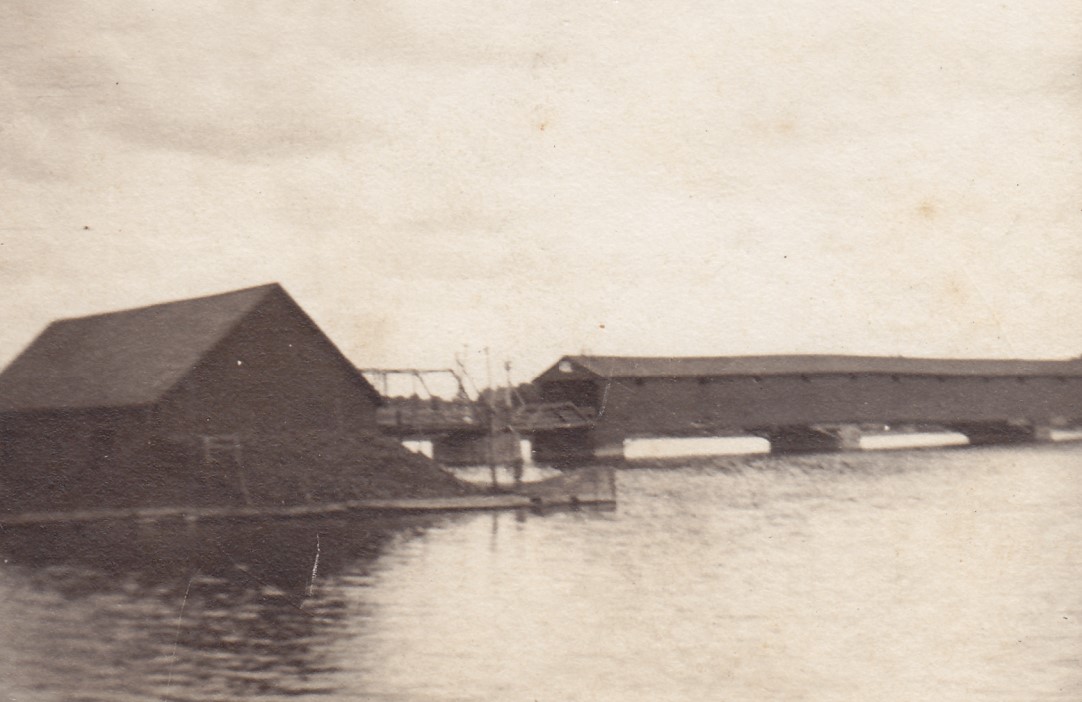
237 398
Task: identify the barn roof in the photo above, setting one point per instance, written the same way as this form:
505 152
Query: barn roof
125 358
714 366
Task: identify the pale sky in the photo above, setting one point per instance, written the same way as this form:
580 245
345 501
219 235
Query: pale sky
677 178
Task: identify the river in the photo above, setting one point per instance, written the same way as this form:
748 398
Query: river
945 574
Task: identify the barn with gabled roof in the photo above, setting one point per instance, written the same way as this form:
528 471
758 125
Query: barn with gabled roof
237 398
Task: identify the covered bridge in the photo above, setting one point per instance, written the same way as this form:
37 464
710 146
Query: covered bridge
805 402
231 399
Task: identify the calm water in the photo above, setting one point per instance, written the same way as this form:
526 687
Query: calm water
913 575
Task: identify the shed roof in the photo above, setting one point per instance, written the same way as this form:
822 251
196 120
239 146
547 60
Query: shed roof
122 358
714 366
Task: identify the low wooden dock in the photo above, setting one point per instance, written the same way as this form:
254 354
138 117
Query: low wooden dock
588 486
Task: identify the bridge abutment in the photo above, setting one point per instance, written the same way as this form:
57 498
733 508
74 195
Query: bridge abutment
812 439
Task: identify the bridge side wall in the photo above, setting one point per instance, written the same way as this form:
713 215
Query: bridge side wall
711 406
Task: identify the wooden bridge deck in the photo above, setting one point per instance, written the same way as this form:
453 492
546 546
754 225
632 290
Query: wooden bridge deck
405 420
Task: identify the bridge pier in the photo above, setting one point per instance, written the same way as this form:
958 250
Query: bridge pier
994 433
608 447
812 439
569 447
476 449
560 447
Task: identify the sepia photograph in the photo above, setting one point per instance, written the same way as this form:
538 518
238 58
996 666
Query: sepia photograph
540 351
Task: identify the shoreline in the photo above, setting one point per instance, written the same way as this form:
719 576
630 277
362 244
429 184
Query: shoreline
588 486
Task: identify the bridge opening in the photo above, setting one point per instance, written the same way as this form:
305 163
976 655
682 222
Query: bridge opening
421 446
1066 435
695 446
903 440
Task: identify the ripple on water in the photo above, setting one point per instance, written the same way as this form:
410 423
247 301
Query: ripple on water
933 574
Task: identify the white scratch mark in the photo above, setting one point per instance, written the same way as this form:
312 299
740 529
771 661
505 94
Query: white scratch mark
176 639
604 398
315 569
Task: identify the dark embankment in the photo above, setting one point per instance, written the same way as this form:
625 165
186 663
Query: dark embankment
271 470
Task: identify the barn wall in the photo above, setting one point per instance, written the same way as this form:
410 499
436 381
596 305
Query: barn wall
693 406
274 381
273 374
71 459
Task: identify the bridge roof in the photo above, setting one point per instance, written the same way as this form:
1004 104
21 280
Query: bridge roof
713 366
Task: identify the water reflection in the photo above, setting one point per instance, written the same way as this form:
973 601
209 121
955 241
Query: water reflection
901 575
196 612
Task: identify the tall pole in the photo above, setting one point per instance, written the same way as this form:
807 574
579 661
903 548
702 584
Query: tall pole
507 394
516 439
491 447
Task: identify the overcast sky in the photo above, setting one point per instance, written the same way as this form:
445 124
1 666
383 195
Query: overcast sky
678 178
